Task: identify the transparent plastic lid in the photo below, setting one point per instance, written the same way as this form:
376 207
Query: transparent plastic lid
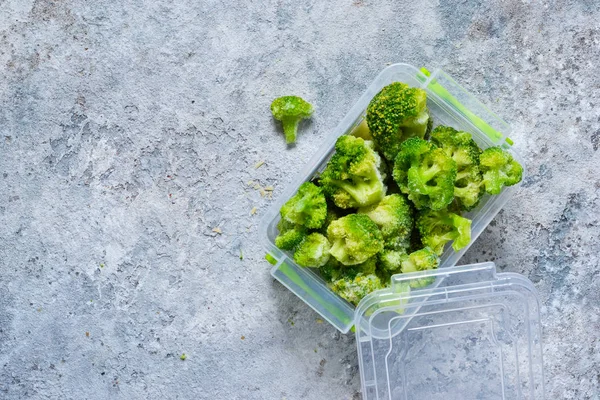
458 333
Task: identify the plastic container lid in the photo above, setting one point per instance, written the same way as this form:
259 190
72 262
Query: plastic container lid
471 334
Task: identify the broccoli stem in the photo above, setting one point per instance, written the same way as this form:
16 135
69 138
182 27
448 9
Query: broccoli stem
290 128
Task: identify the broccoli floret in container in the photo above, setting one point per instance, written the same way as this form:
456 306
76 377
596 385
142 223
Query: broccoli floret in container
290 110
290 235
394 216
420 260
313 251
354 289
307 207
461 147
425 173
499 169
354 175
390 261
439 227
354 239
396 113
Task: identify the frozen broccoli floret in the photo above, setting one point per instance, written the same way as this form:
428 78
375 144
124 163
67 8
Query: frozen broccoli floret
390 261
439 227
307 207
354 239
394 216
461 147
313 251
354 177
362 131
290 110
420 260
331 270
499 169
396 113
354 289
333 213
425 173
290 235
365 268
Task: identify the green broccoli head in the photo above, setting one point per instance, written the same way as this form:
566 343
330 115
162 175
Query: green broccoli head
354 239
354 289
307 207
290 110
354 177
390 261
333 213
425 173
461 147
290 235
439 227
396 113
313 251
499 169
394 216
468 188
331 270
420 260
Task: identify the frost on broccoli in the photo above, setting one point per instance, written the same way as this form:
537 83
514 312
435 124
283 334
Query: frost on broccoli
394 216
313 251
396 113
390 261
440 227
354 175
354 239
420 260
461 147
290 235
425 173
307 207
499 169
290 110
354 289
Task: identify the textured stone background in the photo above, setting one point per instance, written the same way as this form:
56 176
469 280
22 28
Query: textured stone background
128 132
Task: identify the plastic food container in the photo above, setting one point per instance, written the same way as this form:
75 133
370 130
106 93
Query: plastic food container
449 104
473 334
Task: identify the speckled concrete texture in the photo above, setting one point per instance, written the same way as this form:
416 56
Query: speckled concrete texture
129 132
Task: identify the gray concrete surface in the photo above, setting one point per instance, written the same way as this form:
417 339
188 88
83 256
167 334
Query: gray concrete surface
128 132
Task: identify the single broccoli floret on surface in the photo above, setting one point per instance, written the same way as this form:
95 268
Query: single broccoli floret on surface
499 169
313 251
354 289
394 216
354 239
290 235
425 173
420 260
390 261
396 113
439 227
307 207
353 177
290 110
461 147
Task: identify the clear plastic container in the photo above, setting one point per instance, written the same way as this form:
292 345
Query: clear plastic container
473 334
449 104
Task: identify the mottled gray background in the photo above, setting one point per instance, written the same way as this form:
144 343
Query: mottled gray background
129 132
